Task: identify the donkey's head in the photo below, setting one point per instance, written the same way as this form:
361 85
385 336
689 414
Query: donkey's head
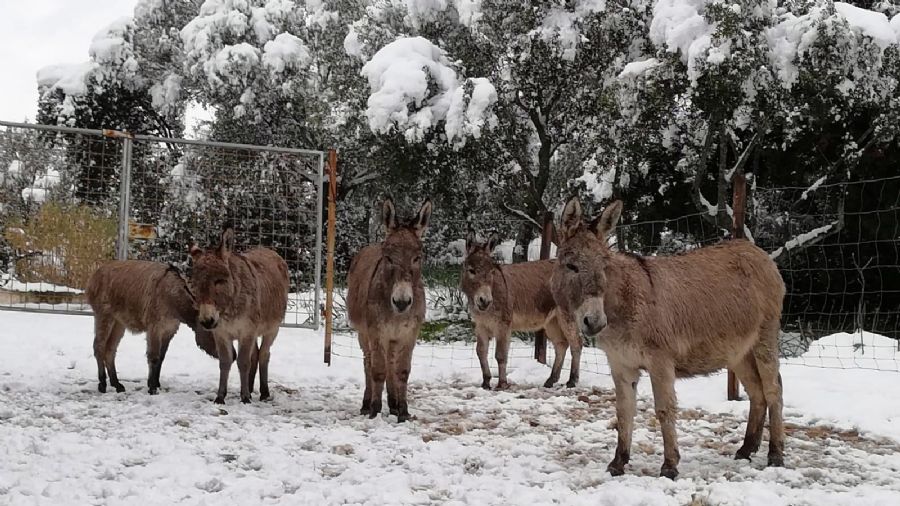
478 271
401 254
211 281
580 282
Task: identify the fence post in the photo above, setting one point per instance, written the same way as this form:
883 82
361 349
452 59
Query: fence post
540 338
124 193
739 209
329 258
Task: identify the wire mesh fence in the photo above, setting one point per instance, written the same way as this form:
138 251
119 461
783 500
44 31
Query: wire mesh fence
71 199
842 283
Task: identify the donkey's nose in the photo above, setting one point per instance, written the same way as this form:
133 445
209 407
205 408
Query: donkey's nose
482 302
401 304
209 323
593 324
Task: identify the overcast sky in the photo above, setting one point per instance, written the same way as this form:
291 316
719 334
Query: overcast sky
37 33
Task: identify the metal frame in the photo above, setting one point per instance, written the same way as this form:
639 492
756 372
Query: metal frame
127 139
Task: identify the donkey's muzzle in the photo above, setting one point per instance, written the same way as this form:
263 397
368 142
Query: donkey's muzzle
591 325
482 303
401 304
209 323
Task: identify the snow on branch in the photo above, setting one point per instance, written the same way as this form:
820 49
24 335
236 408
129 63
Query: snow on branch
814 187
803 240
415 88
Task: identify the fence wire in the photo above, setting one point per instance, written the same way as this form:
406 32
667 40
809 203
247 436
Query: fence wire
71 199
830 318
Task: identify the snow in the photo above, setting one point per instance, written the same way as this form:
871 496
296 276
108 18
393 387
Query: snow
870 23
815 186
65 443
285 52
352 45
413 88
638 68
679 26
167 94
802 239
419 12
791 37
71 79
534 249
232 64
13 285
843 350
599 184
561 24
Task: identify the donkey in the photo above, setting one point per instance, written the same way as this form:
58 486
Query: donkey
386 306
240 296
675 317
516 297
140 296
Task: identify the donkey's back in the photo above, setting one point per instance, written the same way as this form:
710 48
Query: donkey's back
358 280
709 301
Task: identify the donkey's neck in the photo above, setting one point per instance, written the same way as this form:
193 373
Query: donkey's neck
629 286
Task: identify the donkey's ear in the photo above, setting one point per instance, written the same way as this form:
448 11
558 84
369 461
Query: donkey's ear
422 217
388 214
570 219
226 246
195 252
471 243
605 224
492 242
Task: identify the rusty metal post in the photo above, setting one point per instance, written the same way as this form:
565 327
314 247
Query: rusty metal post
739 208
329 259
540 338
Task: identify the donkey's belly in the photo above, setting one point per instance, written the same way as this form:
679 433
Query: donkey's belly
529 322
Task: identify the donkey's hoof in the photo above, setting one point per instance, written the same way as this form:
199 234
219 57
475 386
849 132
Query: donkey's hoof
219 400
549 383
153 390
119 388
374 409
403 417
394 411
616 468
364 410
486 384
571 384
245 400
668 472
503 385
101 387
743 453
775 461
265 396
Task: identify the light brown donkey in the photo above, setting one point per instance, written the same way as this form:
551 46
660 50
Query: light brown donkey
674 317
516 297
386 305
140 296
239 297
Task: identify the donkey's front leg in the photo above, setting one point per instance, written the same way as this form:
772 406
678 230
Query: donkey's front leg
625 379
483 337
662 378
224 350
245 355
501 354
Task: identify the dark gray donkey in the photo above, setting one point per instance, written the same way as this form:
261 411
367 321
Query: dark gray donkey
240 296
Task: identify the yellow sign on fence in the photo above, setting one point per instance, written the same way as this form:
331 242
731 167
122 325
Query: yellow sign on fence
141 231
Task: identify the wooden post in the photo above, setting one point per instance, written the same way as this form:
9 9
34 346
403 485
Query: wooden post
329 258
540 338
739 208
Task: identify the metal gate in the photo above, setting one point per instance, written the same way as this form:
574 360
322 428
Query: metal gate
71 199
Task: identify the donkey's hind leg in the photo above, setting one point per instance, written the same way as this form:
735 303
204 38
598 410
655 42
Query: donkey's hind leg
747 372
264 355
102 326
367 370
117 330
766 354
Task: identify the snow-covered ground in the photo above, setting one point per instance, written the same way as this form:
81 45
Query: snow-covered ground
62 442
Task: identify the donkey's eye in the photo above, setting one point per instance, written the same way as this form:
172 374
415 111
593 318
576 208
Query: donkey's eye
220 282
389 261
572 267
471 271
417 260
